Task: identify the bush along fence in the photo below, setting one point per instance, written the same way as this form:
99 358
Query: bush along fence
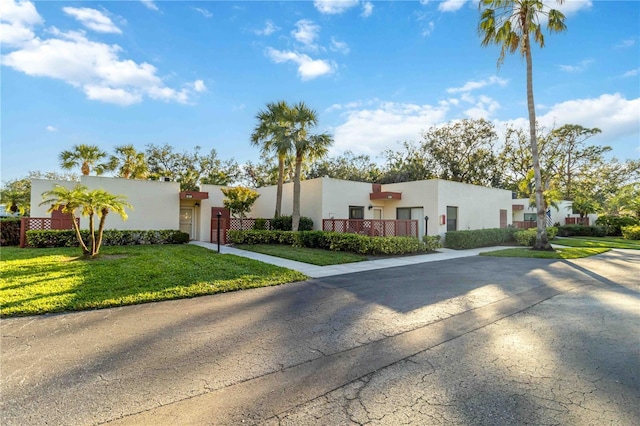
463 240
10 231
110 237
338 241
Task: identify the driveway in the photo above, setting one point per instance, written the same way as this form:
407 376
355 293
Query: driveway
466 341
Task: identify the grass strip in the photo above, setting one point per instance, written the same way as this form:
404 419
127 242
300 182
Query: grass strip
313 256
39 281
608 242
560 253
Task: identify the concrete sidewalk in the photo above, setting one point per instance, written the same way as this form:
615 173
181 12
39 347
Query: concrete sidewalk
314 271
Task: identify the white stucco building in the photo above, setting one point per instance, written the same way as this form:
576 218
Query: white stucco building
161 205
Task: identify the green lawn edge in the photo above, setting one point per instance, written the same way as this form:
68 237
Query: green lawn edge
313 256
559 253
603 242
41 281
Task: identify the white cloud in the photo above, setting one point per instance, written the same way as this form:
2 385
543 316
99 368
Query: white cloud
473 85
428 29
92 19
367 9
583 65
631 73
334 7
306 32
269 28
483 108
52 129
16 22
203 11
199 86
615 115
150 4
451 5
95 68
373 130
339 46
625 44
308 68
570 7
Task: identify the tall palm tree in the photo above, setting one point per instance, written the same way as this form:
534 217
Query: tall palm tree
307 147
129 163
103 203
511 24
88 157
272 134
67 201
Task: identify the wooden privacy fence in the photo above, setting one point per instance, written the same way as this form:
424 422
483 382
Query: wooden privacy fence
373 227
584 221
43 223
234 224
525 224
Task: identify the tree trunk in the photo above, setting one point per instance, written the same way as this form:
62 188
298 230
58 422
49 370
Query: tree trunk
542 242
280 184
295 219
83 246
92 235
103 220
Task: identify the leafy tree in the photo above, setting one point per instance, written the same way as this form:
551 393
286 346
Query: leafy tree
97 202
15 195
129 163
307 147
511 24
406 165
239 200
272 134
584 206
347 166
260 174
626 201
87 157
463 151
190 169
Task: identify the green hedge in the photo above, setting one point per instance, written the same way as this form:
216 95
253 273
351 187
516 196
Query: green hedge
10 231
528 237
285 223
110 237
335 241
631 232
461 240
581 231
614 224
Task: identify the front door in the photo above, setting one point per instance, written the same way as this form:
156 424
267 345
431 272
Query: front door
186 221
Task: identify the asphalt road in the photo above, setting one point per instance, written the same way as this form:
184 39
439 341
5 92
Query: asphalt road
468 341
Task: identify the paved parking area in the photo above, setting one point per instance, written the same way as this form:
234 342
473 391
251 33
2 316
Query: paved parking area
462 341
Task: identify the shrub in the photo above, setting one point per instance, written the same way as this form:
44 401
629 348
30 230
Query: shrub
259 224
582 231
528 237
10 231
614 224
284 223
432 242
631 232
110 237
461 240
335 241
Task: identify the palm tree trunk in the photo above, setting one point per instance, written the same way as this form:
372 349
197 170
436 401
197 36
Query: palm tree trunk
103 219
295 219
542 242
92 235
85 250
280 184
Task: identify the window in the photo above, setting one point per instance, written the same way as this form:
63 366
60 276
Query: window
530 217
452 218
356 212
403 213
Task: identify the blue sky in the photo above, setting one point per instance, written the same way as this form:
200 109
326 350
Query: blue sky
377 72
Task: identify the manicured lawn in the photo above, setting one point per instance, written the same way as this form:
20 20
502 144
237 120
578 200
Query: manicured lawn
561 253
38 281
304 254
609 242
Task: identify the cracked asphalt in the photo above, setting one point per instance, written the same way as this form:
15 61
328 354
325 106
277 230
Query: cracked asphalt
469 341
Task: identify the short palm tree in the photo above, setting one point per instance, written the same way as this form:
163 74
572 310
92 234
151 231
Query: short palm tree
15 201
129 163
67 201
272 134
87 157
97 202
510 24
